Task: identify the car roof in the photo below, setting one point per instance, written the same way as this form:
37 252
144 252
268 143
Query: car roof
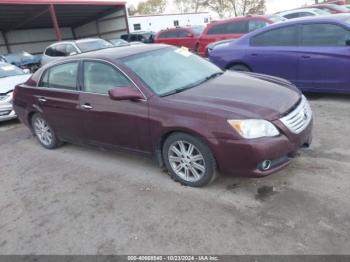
83 40
114 53
338 18
307 9
239 18
321 18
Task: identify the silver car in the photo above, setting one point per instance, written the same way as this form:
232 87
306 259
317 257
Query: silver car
10 76
68 48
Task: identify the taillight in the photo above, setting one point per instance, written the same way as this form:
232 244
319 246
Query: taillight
14 93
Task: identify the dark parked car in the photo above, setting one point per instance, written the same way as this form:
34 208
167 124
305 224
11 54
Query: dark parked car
168 103
141 36
313 53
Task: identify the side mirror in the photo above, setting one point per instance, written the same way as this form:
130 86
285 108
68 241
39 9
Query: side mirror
190 35
347 42
125 93
26 71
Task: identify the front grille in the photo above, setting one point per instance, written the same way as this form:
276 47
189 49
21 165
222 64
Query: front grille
297 120
5 113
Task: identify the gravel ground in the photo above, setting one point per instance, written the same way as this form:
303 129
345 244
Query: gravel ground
79 200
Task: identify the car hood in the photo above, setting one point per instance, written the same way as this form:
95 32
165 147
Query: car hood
241 96
8 83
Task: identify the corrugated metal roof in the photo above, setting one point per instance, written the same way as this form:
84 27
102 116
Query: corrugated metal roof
60 2
25 14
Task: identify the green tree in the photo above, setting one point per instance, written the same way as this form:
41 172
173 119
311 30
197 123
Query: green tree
188 6
229 8
248 7
221 7
151 7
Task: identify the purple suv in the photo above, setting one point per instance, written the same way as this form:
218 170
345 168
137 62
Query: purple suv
313 53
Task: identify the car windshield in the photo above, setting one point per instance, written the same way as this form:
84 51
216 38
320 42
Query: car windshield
277 18
9 70
198 30
91 45
171 70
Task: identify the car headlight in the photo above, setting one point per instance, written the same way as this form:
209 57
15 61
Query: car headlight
7 97
254 128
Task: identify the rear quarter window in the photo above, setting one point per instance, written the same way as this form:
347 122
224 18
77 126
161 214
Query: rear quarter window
63 76
324 35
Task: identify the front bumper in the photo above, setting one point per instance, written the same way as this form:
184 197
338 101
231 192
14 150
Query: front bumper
6 111
246 157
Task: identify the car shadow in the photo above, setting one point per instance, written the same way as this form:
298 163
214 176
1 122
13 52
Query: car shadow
322 96
9 123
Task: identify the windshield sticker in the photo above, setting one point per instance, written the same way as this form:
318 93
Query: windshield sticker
183 51
8 68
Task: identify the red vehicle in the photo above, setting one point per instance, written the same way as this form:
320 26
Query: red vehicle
170 104
337 2
231 29
180 36
332 8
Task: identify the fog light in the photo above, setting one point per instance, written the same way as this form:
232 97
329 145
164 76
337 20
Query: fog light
266 165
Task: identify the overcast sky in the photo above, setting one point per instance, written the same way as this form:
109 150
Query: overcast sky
272 5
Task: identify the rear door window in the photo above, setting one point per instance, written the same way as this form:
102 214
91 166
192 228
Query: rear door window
100 77
240 27
63 76
285 36
61 50
50 51
324 35
217 29
181 33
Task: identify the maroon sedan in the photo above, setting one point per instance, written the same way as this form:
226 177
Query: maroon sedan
171 104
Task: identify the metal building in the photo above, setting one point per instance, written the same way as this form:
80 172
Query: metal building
31 25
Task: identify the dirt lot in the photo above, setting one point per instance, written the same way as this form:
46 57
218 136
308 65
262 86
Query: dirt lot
78 200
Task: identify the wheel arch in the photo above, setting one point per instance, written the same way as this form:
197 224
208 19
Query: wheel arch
158 151
233 63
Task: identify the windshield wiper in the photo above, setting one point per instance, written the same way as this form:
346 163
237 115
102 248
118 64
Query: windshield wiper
179 90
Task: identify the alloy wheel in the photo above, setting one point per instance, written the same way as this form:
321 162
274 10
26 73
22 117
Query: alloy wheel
186 161
43 131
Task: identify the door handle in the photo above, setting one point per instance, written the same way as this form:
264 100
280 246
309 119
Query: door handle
254 54
86 106
306 56
42 99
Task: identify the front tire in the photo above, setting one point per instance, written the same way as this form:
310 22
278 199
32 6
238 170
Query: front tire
44 133
188 160
240 68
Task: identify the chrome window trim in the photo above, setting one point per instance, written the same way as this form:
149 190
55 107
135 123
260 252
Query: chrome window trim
82 91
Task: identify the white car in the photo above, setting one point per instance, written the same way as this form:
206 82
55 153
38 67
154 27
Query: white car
302 13
10 76
68 48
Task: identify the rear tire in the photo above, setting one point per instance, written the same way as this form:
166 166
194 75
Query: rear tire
196 48
44 133
188 160
240 68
